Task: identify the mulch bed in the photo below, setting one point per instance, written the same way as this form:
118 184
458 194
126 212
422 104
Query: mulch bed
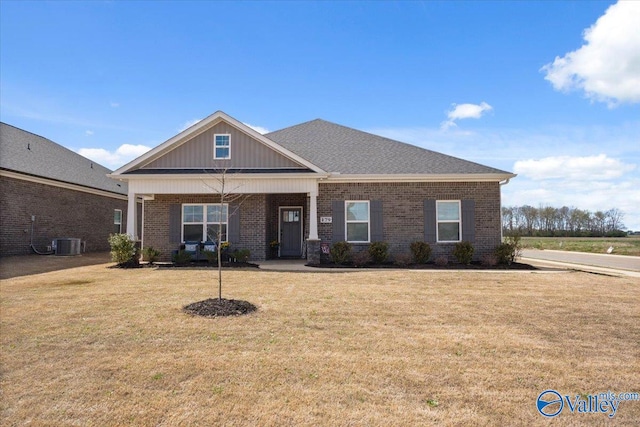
433 266
214 307
205 264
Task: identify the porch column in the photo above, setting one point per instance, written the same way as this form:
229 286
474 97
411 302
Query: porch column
132 216
313 215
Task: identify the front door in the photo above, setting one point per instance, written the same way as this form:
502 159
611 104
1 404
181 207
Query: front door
291 232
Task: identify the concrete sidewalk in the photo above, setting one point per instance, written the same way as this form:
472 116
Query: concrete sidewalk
630 265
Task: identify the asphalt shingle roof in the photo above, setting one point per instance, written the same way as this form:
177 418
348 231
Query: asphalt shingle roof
337 148
25 152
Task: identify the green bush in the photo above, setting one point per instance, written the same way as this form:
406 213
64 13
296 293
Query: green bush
508 251
181 257
241 255
123 250
379 252
421 252
340 252
463 252
150 254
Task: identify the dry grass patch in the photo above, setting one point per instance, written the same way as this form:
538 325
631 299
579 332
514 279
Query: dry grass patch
98 346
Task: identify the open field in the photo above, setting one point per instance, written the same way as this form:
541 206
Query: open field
103 347
599 245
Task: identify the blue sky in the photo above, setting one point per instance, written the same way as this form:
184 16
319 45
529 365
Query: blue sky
548 90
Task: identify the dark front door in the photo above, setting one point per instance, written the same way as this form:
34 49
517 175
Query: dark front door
291 232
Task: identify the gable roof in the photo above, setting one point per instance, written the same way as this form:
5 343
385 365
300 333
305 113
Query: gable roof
30 154
339 149
202 126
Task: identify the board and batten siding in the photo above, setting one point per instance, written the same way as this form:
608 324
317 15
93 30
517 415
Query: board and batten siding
246 152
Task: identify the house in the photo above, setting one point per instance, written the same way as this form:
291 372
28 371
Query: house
308 186
49 192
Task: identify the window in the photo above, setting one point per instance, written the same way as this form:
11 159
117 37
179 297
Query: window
222 146
357 221
117 221
201 222
448 215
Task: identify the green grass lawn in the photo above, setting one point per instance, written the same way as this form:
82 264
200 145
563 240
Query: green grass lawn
599 245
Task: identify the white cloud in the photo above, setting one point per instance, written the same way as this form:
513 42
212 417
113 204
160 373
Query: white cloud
258 129
114 104
188 124
592 168
607 66
122 155
465 111
88 132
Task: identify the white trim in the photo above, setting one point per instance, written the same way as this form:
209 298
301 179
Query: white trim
448 221
280 208
204 222
60 184
117 223
347 221
487 177
203 126
215 146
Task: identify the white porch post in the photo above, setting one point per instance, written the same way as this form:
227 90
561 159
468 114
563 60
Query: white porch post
132 216
313 214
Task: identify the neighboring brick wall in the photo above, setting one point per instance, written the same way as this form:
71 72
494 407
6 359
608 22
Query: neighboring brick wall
59 212
403 211
252 222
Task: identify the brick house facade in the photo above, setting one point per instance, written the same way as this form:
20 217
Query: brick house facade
308 185
49 192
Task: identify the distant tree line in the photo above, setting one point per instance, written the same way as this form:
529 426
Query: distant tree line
548 221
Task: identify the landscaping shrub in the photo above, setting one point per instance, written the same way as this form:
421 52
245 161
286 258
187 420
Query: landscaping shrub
212 256
403 260
507 252
241 255
360 259
123 250
181 257
442 260
379 252
340 252
151 255
421 252
463 252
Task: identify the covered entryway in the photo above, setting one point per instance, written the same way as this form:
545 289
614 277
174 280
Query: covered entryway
291 223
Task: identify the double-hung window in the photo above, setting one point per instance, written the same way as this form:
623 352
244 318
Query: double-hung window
357 221
449 224
205 222
117 221
221 146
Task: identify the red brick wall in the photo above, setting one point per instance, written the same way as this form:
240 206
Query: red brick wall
59 212
403 211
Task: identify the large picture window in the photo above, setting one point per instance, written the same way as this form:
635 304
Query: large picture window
201 222
449 224
222 146
357 221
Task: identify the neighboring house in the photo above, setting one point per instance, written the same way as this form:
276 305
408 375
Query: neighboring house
49 192
308 186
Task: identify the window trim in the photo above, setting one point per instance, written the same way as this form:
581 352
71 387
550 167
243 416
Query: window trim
347 221
204 223
119 224
227 146
449 221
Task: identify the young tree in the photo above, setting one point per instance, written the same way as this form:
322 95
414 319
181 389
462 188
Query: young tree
229 196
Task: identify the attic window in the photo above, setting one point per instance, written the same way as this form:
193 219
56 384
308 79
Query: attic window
222 146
